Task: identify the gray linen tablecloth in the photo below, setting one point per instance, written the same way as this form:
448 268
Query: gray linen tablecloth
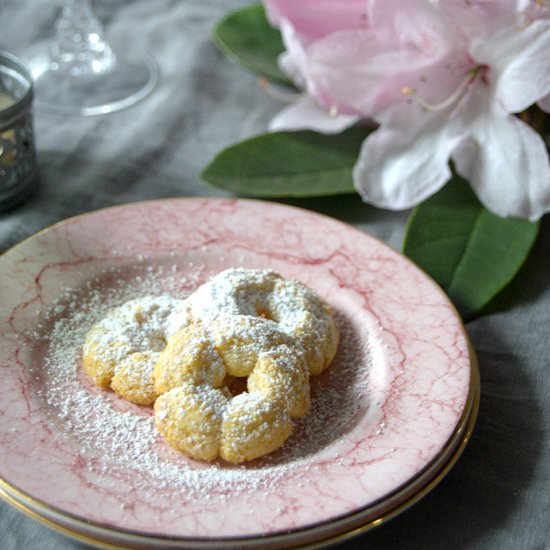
498 494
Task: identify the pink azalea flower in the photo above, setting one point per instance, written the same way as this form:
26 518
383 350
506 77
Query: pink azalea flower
442 78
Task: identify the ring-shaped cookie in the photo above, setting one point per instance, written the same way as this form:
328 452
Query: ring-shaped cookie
196 413
297 309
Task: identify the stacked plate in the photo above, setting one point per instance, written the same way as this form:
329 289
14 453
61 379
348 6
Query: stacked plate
388 419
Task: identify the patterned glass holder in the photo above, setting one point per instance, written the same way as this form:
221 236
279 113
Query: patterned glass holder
18 171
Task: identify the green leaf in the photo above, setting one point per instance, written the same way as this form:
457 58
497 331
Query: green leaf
470 252
288 164
245 36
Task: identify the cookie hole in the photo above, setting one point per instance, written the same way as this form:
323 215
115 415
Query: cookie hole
264 314
236 385
158 344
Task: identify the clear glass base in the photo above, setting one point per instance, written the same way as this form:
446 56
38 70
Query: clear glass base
59 89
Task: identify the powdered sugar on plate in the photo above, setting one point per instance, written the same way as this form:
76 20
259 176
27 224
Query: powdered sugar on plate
118 441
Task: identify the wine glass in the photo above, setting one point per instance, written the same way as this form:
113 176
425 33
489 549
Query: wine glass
80 73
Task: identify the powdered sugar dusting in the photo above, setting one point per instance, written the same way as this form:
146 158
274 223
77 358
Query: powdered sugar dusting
120 439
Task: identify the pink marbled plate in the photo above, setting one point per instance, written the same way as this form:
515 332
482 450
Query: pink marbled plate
387 416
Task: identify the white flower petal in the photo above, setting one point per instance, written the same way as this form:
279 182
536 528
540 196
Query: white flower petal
544 103
520 65
294 60
406 159
305 114
507 164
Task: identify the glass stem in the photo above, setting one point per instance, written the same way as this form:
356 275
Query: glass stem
79 46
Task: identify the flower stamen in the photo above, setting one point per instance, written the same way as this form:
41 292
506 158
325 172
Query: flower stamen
456 100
